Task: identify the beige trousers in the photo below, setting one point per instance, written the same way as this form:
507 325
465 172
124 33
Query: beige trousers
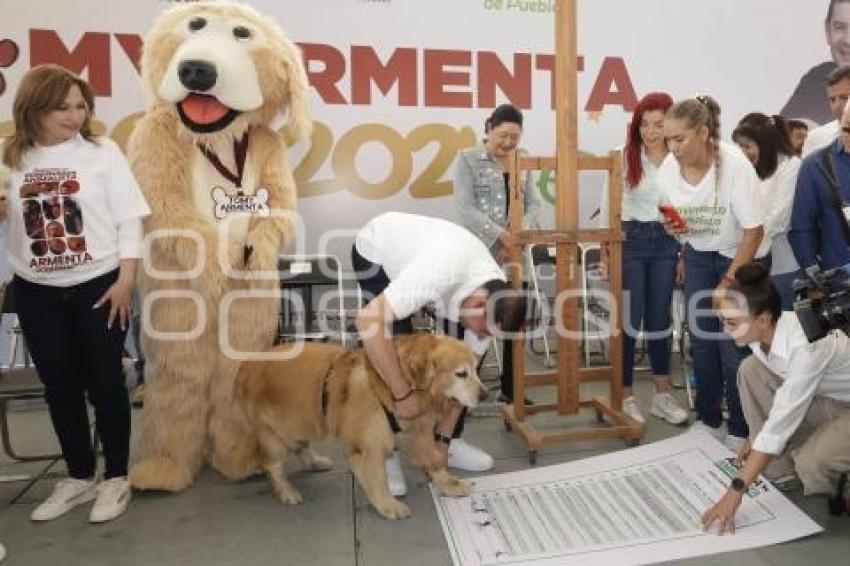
819 450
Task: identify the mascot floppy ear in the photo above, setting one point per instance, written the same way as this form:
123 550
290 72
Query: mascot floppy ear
298 124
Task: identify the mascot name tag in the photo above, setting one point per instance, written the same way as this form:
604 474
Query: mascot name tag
256 204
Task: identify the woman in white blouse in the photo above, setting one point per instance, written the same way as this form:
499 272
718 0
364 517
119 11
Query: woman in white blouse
795 395
649 260
764 140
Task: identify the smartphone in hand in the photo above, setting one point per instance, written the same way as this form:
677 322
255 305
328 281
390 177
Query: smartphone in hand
672 216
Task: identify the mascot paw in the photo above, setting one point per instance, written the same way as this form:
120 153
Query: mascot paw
237 469
393 509
160 473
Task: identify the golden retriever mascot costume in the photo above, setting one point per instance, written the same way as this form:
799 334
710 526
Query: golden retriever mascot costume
215 76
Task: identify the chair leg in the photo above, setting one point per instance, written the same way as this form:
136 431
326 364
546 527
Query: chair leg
7 441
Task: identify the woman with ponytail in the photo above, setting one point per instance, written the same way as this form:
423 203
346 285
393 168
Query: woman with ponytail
795 395
649 260
715 189
765 142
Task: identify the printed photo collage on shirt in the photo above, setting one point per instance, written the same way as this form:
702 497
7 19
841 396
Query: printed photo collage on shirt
53 219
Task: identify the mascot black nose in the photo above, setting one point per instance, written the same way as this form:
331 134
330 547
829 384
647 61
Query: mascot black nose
197 75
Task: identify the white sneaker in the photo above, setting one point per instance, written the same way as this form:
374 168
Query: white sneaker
113 495
734 443
395 475
665 406
2 552
718 433
464 456
67 494
631 406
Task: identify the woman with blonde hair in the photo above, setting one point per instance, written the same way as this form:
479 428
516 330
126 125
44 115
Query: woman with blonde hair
715 189
74 305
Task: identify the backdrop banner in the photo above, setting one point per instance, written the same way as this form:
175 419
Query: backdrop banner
399 86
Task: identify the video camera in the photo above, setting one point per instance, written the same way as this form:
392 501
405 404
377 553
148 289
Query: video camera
823 301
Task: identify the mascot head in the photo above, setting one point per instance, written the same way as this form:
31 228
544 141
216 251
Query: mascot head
221 67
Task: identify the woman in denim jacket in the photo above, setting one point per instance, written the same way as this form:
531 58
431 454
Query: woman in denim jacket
481 198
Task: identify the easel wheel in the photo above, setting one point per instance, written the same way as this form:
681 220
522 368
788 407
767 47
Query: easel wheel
532 457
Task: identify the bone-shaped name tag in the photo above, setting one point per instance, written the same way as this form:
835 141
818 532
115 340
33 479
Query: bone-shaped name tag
256 204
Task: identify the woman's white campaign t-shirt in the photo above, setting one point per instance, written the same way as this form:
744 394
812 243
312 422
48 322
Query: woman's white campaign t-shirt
65 204
717 214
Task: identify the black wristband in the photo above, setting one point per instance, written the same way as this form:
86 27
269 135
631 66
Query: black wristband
442 438
738 485
405 396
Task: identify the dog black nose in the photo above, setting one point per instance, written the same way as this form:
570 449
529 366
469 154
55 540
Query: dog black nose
197 75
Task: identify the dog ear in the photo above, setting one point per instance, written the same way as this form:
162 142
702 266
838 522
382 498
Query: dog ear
298 124
419 361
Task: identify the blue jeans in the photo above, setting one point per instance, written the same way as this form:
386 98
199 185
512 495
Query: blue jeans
715 358
649 268
783 285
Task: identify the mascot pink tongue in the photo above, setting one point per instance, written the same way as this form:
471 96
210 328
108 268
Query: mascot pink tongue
203 109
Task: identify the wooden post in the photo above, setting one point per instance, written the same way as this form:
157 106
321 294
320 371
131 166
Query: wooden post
566 238
566 212
615 279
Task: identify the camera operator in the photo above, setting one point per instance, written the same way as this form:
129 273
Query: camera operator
819 234
795 395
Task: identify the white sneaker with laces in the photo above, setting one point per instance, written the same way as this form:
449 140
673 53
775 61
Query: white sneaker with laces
665 406
395 475
734 443
113 495
631 406
718 433
67 494
465 456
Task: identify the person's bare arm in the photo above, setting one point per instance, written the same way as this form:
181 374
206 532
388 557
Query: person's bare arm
373 324
746 249
723 512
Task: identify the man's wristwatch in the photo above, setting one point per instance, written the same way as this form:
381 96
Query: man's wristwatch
738 485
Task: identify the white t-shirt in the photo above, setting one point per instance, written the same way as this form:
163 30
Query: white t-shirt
428 261
807 370
716 213
777 193
66 204
639 203
821 137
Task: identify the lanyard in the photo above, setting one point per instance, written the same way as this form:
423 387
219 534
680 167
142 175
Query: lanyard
240 153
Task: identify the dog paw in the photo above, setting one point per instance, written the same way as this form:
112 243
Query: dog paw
456 488
320 463
290 496
393 509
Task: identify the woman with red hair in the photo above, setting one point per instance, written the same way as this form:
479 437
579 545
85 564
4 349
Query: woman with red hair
649 260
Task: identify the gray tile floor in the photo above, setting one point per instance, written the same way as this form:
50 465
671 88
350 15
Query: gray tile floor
217 522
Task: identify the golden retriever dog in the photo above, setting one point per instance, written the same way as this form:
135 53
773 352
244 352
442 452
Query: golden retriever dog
211 163
327 390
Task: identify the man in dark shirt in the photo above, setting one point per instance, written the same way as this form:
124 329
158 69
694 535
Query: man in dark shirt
817 236
808 101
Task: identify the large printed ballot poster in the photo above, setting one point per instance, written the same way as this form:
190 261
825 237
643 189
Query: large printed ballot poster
400 86
637 506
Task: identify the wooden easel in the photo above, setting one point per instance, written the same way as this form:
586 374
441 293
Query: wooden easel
565 239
